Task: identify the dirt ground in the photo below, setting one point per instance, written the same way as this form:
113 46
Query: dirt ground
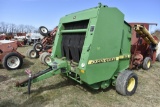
58 91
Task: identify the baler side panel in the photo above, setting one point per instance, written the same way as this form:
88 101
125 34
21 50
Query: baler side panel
125 48
86 47
105 44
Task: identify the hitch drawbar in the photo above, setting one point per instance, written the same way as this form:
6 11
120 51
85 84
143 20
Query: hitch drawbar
33 78
54 69
25 81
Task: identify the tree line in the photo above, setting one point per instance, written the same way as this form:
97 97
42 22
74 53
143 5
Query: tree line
13 28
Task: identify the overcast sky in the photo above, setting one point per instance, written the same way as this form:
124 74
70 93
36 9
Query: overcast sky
48 12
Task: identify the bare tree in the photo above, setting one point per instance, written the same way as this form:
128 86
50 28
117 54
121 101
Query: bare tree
21 28
36 31
28 29
9 30
32 28
4 27
12 28
1 26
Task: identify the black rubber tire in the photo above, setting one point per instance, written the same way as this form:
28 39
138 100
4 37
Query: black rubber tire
30 52
43 31
41 55
123 81
158 58
44 58
27 52
37 48
6 59
146 65
27 55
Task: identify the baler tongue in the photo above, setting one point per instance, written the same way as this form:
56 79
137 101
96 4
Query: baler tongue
34 76
54 68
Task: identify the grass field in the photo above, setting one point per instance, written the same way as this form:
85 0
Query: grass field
58 91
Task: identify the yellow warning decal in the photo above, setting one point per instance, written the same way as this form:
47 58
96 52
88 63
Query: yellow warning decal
108 59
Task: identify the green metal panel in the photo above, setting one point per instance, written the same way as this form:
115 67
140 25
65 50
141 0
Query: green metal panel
56 49
106 44
74 31
125 47
82 15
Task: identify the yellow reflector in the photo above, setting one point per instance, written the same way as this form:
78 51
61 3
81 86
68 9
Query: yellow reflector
82 71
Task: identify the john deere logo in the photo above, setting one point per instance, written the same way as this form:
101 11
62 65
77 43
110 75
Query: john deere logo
108 59
74 17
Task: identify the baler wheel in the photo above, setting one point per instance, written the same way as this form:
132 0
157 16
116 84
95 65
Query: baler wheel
126 83
12 61
43 31
147 63
38 47
32 54
158 57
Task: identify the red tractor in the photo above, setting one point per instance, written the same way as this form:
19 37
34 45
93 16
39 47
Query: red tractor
9 57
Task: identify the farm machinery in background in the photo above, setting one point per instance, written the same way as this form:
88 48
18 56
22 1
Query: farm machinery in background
93 47
6 37
32 38
43 49
157 34
144 46
9 57
18 37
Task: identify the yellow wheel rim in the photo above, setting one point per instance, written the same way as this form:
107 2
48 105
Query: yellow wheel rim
148 64
131 84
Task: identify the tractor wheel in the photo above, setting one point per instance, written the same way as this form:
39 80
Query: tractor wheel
43 31
27 55
38 47
32 54
126 83
12 61
158 58
46 58
147 63
41 55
